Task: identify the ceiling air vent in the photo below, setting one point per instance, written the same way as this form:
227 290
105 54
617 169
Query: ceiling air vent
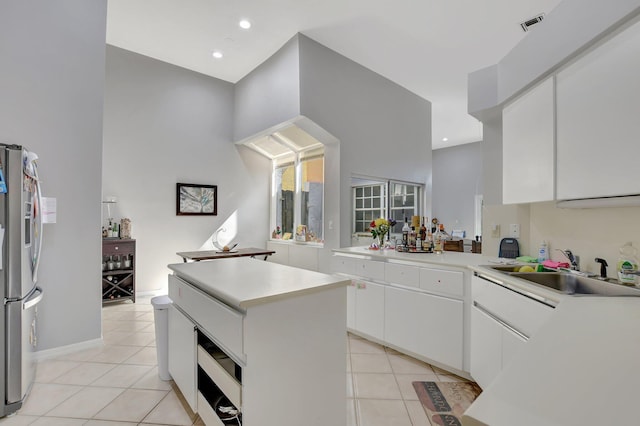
530 23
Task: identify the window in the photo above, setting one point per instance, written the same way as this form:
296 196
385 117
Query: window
284 182
370 201
298 196
312 195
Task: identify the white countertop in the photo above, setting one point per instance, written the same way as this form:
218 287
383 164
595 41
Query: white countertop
580 368
242 282
447 258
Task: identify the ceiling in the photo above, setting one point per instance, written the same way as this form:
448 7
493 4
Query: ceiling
427 46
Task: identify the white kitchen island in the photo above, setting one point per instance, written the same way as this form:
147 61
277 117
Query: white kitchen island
270 338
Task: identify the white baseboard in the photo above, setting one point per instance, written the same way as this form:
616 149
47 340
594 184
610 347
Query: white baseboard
65 350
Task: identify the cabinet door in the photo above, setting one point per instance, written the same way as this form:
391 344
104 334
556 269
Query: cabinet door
351 305
370 309
425 324
182 354
486 347
439 281
528 146
598 99
512 344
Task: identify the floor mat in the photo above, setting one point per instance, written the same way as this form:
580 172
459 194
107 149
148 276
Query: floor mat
445 402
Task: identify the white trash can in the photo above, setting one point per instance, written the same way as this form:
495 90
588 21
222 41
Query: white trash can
161 318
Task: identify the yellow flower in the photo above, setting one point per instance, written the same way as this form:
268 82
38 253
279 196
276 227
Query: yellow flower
380 221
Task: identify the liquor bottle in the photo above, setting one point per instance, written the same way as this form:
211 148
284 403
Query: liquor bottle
405 232
438 241
423 231
412 237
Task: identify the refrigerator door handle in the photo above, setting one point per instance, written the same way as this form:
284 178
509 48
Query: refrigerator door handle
34 299
37 217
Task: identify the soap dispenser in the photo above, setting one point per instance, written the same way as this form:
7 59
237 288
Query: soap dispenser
627 264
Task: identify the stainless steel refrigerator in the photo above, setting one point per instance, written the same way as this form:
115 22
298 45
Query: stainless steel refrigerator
21 242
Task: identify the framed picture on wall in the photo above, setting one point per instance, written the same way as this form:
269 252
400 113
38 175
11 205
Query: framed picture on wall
196 200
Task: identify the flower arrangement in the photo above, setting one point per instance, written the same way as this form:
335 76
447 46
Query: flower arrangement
379 228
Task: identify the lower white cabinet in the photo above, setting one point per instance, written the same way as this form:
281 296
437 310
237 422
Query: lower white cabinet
428 325
486 347
369 308
351 304
182 355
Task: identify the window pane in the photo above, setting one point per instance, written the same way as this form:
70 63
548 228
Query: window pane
359 203
359 215
313 196
285 187
359 192
367 191
376 191
376 203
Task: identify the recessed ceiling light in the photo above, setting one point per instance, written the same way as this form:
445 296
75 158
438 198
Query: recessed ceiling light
244 24
217 54
445 139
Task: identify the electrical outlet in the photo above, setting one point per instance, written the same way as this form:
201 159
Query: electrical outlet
514 230
495 231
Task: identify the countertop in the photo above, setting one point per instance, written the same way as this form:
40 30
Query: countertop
242 282
447 258
580 368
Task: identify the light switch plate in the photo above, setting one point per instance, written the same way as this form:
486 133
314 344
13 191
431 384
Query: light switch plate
514 230
495 231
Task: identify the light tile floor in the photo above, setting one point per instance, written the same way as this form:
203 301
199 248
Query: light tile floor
117 384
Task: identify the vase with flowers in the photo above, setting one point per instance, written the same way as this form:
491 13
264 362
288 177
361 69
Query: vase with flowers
379 228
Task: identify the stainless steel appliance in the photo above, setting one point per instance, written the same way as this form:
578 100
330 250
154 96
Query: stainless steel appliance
20 244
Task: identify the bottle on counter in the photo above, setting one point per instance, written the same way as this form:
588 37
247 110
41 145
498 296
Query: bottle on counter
543 252
438 241
405 232
423 231
412 237
627 264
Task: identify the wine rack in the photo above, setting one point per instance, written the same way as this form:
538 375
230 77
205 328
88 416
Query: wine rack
118 270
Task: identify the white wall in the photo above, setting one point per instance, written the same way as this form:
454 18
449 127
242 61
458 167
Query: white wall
457 179
164 124
268 95
51 85
384 130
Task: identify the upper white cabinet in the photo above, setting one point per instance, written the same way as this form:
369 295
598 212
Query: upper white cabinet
598 100
528 148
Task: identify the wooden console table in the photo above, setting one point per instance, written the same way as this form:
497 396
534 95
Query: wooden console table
216 254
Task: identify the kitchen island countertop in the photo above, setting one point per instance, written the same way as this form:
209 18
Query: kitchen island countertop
242 282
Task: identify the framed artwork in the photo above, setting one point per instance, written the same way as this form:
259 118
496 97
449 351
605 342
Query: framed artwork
196 200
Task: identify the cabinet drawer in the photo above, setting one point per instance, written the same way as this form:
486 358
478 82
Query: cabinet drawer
449 283
221 322
343 265
206 412
520 312
369 269
402 274
225 381
117 247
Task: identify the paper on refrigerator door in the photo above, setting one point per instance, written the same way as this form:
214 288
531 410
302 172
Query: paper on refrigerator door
49 209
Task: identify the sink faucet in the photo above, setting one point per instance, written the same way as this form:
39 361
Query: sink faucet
573 260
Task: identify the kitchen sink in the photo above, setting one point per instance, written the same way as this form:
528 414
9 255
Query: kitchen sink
515 268
568 283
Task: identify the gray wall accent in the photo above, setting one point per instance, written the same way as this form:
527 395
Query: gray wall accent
565 32
164 124
51 81
384 130
268 95
457 179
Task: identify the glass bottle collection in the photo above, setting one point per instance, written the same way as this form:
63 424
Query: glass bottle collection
419 238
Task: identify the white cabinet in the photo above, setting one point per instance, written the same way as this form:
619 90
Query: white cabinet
182 354
501 322
439 281
427 325
528 146
369 309
486 347
598 99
